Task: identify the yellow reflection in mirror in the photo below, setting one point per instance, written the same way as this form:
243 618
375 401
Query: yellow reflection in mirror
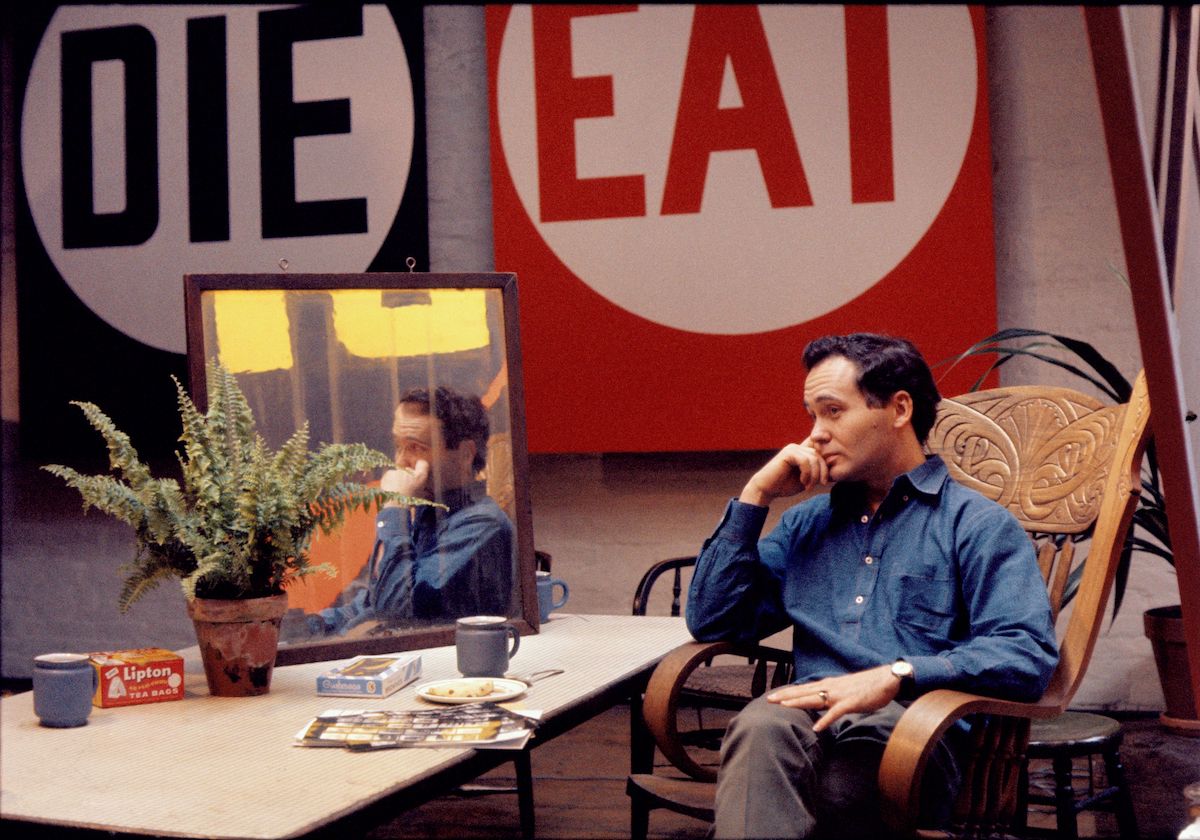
252 330
450 321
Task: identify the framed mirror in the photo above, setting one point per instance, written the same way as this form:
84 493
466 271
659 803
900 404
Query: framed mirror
423 367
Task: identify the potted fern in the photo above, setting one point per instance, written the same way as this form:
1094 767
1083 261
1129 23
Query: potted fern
236 531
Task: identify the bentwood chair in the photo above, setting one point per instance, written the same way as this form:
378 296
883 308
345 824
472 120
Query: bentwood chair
1064 464
714 691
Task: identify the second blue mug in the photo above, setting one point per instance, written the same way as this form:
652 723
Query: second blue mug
545 591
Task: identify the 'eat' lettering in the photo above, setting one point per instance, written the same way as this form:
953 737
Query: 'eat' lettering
721 36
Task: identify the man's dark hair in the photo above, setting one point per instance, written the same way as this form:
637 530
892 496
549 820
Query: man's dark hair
462 418
885 365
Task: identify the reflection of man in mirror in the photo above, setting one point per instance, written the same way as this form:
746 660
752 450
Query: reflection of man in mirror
432 563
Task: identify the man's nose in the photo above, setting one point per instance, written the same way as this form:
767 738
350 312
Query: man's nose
819 433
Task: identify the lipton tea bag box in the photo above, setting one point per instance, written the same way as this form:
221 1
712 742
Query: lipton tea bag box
129 677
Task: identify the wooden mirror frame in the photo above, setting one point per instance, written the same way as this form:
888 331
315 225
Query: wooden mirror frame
198 286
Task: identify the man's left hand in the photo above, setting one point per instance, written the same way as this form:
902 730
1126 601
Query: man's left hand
863 691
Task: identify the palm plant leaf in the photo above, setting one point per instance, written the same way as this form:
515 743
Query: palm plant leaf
1104 375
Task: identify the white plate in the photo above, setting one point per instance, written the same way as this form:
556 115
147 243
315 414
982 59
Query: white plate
502 689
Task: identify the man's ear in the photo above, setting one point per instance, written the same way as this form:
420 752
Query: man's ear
902 409
466 451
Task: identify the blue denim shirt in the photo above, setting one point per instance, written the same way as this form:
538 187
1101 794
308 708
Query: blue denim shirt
434 565
938 576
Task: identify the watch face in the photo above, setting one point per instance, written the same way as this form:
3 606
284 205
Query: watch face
903 670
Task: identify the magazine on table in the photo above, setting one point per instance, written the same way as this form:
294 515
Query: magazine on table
480 725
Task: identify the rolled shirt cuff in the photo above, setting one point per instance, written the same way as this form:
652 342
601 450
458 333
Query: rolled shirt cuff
742 520
930 672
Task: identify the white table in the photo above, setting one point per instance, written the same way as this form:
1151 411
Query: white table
227 767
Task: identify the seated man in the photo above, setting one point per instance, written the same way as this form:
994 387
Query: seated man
430 563
896 582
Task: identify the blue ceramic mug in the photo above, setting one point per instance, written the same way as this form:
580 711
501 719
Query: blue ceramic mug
63 685
481 642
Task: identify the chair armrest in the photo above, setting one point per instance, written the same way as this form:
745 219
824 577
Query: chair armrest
917 733
661 703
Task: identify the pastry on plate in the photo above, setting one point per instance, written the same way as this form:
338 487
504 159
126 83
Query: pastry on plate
463 688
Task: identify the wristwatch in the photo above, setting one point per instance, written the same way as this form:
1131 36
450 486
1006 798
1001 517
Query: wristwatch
903 671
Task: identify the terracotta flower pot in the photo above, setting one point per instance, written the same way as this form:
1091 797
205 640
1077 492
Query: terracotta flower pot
1164 628
238 641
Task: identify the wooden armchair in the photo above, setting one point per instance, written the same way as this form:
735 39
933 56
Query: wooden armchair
1062 463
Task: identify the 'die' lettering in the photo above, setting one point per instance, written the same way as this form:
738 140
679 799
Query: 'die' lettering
133 674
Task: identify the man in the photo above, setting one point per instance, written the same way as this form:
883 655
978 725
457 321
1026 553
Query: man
430 563
896 582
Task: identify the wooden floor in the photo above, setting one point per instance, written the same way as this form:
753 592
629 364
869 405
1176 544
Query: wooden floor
579 791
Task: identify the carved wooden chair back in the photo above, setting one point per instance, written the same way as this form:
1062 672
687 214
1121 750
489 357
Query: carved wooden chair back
1053 457
499 473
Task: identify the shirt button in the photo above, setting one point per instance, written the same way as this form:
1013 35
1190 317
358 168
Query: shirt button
906 498
865 519
869 560
858 600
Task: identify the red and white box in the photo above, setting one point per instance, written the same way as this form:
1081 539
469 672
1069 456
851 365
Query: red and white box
130 677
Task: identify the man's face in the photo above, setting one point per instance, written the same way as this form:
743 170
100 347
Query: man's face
856 440
418 437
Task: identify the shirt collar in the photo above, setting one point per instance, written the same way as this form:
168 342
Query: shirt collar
927 479
458 498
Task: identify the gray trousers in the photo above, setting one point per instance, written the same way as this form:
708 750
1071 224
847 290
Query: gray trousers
778 778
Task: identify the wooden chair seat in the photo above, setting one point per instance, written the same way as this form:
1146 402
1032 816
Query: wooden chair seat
1079 733
723 686
676 792
1065 466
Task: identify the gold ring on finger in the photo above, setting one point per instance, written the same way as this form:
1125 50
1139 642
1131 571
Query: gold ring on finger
824 695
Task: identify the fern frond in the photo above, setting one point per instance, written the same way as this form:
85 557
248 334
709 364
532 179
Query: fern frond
292 456
165 512
138 582
334 462
121 454
105 493
313 569
203 459
230 416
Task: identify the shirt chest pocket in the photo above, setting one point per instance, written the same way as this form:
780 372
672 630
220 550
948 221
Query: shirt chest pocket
924 597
